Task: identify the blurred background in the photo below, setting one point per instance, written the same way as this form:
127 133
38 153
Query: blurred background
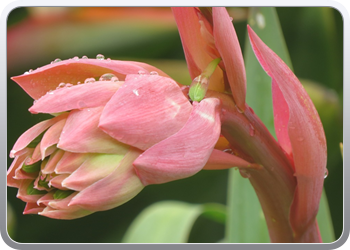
38 35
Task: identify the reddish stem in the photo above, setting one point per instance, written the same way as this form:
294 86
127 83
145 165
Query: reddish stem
275 183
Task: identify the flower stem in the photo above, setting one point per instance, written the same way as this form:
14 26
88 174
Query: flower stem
275 183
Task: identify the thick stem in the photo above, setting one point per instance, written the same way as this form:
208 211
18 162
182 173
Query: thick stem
275 183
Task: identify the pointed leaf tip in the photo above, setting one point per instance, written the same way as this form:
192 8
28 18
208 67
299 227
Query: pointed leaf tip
305 132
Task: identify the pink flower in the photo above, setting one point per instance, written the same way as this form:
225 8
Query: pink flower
109 138
202 40
289 184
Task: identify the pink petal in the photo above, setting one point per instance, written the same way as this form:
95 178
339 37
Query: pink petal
59 209
67 214
33 208
82 135
306 136
281 118
186 152
93 169
52 162
195 45
145 110
227 43
32 133
16 164
115 189
22 192
81 96
45 199
46 78
56 182
70 162
51 136
221 160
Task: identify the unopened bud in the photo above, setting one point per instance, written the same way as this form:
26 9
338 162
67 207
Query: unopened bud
198 88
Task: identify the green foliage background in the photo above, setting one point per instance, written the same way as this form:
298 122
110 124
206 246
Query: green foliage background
314 37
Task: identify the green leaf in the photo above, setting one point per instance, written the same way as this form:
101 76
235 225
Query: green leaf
170 222
245 219
325 221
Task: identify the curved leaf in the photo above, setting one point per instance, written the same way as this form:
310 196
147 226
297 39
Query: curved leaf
170 222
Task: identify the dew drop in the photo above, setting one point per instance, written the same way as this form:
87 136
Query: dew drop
30 71
260 19
61 85
231 18
84 57
107 77
68 85
26 73
50 92
57 60
81 104
78 83
326 173
76 58
100 57
239 110
244 173
153 73
228 150
114 79
251 130
109 59
141 72
89 80
136 92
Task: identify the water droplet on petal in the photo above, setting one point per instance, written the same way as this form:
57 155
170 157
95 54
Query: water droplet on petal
61 85
100 57
89 80
26 73
114 79
76 58
50 92
78 83
136 92
251 130
81 104
57 60
153 73
84 57
244 173
109 59
231 18
68 85
326 173
30 71
239 110
107 77
228 150
141 72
